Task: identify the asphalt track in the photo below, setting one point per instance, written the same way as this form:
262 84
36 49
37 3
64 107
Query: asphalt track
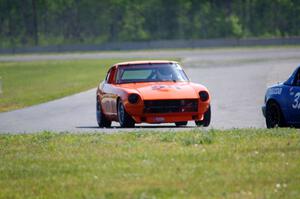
236 77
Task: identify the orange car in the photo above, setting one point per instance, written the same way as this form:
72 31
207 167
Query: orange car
151 92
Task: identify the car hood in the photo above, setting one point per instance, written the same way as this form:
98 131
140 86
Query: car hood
279 84
164 90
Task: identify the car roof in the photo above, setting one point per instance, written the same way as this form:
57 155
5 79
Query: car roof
145 62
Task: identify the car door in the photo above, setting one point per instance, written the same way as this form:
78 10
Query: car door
109 95
294 100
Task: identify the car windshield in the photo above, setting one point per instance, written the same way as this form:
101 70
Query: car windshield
150 73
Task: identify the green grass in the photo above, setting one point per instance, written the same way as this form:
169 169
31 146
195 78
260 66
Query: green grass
28 83
246 163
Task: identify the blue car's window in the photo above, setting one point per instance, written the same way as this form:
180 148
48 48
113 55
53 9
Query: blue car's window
293 79
150 73
297 78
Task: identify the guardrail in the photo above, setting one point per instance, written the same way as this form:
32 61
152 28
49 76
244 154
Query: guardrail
162 44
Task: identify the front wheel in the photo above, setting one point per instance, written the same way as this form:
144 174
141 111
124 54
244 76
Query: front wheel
206 119
125 119
274 117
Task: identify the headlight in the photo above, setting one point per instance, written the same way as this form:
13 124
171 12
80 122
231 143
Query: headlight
133 98
203 96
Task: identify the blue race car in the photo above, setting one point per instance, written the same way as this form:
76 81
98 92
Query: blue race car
282 103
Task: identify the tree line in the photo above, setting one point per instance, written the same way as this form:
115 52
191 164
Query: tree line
55 22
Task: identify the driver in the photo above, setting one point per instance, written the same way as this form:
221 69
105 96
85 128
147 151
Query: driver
164 74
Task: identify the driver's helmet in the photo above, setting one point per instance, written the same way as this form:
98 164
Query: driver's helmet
164 73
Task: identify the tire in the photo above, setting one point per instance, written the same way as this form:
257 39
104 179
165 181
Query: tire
206 120
274 116
184 123
124 118
101 120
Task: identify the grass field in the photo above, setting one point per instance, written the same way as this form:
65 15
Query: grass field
246 163
29 83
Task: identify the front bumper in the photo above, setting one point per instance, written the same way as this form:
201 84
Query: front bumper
167 118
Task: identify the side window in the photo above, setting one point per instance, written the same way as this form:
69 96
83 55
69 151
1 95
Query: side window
110 78
297 79
106 78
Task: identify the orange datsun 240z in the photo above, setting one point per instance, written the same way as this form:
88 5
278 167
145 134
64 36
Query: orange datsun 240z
151 92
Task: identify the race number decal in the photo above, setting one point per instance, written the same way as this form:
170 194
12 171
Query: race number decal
275 91
296 104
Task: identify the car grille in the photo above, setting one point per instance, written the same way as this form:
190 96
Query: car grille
171 106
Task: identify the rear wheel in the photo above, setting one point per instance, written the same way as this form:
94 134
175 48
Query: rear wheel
125 119
206 119
184 123
274 117
101 120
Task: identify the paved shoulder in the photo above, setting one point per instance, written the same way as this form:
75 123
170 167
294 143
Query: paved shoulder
65 114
